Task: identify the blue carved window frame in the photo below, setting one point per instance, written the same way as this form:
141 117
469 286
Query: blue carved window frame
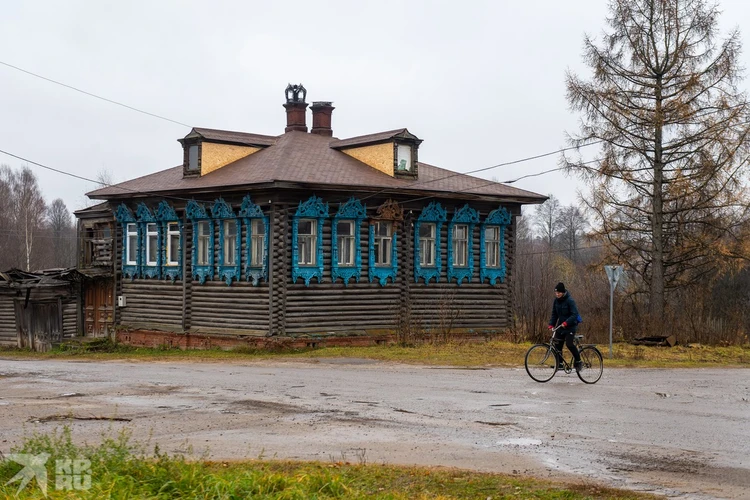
124 216
196 212
433 213
222 212
313 208
144 217
501 218
165 214
249 211
469 217
351 210
382 273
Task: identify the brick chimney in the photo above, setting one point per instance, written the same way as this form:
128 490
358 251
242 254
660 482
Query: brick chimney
321 124
296 108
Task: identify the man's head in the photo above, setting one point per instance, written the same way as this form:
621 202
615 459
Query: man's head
560 289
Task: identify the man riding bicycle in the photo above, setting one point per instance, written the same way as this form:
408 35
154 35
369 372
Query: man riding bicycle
565 314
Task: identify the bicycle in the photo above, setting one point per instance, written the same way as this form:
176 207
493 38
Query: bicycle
542 361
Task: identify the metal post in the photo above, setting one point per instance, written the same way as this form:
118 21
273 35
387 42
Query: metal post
611 308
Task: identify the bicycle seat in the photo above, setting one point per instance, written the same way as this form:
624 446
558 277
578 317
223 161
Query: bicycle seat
579 337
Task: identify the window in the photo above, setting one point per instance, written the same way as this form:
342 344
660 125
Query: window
460 245
132 242
152 248
193 157
257 242
492 246
306 239
403 158
345 242
173 244
230 242
204 236
383 243
427 244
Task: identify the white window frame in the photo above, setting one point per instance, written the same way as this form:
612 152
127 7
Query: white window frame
152 231
310 239
492 247
173 229
131 230
345 244
201 238
427 245
461 246
257 242
230 242
383 244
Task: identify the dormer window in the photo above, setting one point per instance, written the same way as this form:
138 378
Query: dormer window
404 161
193 164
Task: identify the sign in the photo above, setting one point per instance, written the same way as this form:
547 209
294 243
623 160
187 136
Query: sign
614 273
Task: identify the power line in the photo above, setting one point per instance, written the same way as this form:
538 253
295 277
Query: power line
111 101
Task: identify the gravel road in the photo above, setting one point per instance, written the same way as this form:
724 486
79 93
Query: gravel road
682 433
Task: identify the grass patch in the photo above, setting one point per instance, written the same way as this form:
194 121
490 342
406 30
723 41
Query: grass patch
461 354
117 469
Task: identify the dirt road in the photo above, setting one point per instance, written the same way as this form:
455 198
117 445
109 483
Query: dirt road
683 433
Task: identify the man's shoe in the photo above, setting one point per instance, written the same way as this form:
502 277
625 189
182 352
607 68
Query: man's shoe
579 366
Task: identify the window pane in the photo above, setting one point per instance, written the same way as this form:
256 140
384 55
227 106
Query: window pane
427 244
345 242
492 246
203 239
383 243
132 242
306 242
257 243
193 158
151 244
230 242
460 245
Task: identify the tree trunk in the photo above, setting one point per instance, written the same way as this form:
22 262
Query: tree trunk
657 220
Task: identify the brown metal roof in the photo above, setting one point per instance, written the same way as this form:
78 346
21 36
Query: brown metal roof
235 137
309 159
363 140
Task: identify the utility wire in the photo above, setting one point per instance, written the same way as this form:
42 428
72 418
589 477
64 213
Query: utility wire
94 95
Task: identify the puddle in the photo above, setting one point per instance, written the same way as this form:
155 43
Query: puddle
520 442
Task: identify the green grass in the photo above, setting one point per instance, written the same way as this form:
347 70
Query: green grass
122 470
462 354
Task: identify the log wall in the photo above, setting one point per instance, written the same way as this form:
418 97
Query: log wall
8 332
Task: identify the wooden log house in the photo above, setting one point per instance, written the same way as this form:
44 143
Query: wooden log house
310 239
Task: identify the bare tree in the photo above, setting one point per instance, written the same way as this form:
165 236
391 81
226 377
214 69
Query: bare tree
546 219
28 210
572 226
62 234
664 104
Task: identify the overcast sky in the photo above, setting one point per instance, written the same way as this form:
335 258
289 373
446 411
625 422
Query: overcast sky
481 82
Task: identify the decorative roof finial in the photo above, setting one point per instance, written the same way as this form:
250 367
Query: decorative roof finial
293 93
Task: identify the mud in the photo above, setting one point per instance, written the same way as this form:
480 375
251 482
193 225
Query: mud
681 433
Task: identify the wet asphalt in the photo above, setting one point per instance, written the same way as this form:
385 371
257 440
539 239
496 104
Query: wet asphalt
683 433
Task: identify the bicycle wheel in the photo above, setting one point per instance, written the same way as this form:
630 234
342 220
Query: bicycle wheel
593 366
540 362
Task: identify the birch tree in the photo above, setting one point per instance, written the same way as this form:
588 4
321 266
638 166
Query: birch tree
664 105
28 210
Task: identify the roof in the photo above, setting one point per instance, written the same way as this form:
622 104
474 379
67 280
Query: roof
310 160
93 210
235 137
364 140
17 278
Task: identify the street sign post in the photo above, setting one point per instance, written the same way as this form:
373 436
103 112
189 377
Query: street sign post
614 273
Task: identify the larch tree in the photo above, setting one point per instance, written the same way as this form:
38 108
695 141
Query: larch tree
663 103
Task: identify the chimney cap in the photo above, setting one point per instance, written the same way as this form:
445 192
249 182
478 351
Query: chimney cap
293 92
322 104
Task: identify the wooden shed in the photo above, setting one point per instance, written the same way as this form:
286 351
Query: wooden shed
38 310
309 238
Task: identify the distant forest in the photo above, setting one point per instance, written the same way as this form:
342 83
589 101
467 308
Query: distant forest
34 234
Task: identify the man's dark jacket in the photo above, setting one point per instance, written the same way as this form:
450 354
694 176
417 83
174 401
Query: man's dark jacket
564 310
